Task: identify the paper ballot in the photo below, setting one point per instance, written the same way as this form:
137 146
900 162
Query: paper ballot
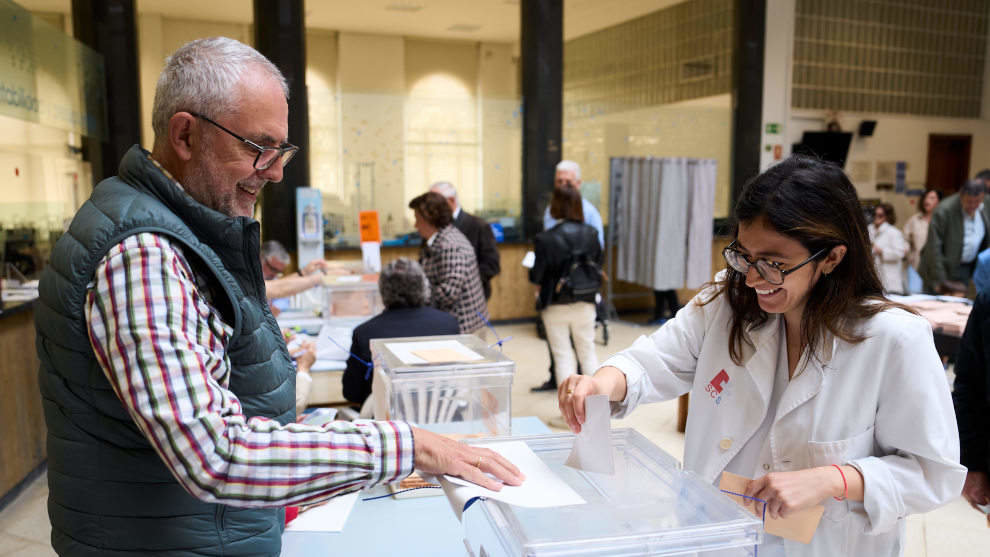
799 526
592 450
529 260
542 488
446 350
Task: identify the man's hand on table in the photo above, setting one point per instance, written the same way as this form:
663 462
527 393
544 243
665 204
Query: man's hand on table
436 454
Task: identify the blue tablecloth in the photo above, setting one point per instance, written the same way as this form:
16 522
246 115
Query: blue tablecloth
388 527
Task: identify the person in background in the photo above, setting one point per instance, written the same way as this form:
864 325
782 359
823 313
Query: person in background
958 232
274 260
984 176
478 232
168 391
802 375
449 263
304 356
971 398
889 248
567 175
566 316
405 293
916 233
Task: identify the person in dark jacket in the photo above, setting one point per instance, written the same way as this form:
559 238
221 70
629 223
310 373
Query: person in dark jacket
478 232
449 263
405 293
971 398
565 315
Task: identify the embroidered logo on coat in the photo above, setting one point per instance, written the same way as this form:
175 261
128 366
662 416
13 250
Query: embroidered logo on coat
717 385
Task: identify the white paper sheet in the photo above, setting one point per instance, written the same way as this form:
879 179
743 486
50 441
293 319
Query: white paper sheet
542 488
592 450
329 517
404 350
333 343
529 260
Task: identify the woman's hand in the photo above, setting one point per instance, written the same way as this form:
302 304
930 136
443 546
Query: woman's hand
572 392
787 492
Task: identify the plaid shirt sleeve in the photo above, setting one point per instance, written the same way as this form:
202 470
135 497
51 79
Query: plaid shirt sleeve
163 349
451 270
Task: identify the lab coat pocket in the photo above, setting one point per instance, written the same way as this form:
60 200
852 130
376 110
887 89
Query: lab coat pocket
826 453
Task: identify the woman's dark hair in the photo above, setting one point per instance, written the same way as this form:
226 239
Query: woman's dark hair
565 203
814 203
433 208
888 213
921 200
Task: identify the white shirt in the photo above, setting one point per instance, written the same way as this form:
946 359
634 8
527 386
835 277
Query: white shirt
973 232
881 405
432 238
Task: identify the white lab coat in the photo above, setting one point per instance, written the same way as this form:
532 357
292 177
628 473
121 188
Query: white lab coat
891 242
882 405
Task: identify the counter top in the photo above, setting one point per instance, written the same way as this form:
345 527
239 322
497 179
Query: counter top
13 308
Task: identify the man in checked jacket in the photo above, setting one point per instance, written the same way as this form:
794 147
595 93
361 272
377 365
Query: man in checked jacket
449 262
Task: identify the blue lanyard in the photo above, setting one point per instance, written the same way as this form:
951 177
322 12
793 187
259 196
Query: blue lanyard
500 340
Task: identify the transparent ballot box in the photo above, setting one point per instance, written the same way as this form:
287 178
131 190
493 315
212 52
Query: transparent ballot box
649 506
456 380
351 296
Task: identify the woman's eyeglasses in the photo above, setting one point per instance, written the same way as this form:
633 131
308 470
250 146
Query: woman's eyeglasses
770 271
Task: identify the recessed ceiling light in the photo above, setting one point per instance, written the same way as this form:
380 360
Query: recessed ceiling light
403 7
464 27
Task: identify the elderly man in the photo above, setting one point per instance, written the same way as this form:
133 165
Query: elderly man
956 234
405 293
168 391
477 231
568 175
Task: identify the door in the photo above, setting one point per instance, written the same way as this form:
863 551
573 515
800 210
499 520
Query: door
948 162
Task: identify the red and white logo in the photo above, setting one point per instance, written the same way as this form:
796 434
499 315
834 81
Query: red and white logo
718 383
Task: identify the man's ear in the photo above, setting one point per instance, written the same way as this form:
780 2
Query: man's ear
180 136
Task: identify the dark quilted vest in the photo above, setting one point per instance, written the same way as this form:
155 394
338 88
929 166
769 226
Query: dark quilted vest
110 493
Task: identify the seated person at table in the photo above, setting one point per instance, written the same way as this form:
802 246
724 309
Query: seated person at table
274 260
405 293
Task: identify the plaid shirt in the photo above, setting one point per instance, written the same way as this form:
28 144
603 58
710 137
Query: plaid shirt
452 268
164 350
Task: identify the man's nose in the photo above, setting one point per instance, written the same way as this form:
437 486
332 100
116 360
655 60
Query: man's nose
274 172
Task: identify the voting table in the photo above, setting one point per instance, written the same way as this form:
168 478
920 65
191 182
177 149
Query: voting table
387 527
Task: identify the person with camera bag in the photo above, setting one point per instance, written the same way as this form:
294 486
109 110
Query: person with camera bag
568 270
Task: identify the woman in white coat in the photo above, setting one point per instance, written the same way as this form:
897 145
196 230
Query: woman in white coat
889 248
802 375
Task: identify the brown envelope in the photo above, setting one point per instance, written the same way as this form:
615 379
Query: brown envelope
439 355
798 526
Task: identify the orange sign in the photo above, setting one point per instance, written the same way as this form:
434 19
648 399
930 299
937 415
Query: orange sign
370 231
778 152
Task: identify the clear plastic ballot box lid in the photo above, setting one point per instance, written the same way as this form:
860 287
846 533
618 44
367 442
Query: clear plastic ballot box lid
650 506
455 379
351 296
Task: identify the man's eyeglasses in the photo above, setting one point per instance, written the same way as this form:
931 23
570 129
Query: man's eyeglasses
770 271
266 155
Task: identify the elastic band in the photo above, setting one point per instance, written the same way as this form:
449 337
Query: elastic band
500 340
368 365
756 548
845 486
402 491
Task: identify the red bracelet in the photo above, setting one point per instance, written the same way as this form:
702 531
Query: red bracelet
845 486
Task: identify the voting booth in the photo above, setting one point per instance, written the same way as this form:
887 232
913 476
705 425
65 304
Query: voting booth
648 506
443 379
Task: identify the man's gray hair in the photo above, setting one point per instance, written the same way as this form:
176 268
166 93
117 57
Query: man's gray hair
403 284
273 249
202 76
445 189
973 187
571 166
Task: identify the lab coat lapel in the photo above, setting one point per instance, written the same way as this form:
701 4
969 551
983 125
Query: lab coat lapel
807 382
761 363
